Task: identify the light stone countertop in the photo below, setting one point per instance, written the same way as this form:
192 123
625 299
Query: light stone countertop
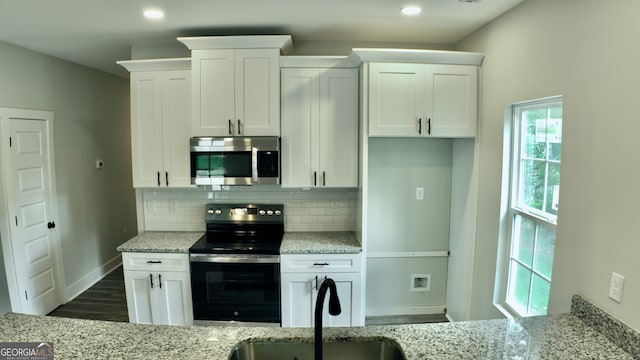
562 336
161 242
337 242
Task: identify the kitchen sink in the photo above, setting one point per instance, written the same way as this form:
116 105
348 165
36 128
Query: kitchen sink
363 349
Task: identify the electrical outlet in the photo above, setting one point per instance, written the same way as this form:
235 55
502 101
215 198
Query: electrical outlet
420 193
99 164
173 206
150 206
615 289
335 208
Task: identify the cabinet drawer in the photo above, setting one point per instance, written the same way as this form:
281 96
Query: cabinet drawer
324 263
155 261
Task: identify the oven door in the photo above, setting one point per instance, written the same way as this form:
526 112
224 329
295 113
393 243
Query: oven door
236 288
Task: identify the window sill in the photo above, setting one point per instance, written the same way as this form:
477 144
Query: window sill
506 311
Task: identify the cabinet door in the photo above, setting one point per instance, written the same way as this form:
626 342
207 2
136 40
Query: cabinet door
213 85
298 299
338 128
348 286
146 128
299 296
140 299
454 100
257 92
176 115
174 295
300 94
396 99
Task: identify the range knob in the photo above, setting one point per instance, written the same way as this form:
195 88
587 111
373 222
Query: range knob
210 211
269 212
218 211
278 212
262 212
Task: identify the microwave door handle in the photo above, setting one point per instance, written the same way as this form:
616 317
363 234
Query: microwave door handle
254 165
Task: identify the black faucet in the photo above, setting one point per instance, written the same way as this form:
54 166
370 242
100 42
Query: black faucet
334 309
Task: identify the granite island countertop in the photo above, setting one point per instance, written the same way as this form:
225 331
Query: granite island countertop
161 242
562 336
330 242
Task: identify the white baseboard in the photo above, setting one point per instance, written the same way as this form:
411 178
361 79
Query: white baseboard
409 310
449 317
80 286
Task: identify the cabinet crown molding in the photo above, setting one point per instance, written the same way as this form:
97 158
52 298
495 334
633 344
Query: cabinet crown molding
282 42
417 56
156 64
318 62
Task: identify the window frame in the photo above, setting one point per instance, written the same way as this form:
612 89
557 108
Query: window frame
511 176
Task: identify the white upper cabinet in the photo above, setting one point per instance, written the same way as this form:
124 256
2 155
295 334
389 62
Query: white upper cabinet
236 92
236 84
160 113
319 127
423 100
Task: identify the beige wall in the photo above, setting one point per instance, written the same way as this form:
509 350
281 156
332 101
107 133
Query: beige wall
91 112
587 51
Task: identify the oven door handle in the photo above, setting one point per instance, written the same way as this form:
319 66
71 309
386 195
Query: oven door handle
235 259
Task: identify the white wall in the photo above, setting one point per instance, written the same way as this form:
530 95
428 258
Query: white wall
587 51
91 112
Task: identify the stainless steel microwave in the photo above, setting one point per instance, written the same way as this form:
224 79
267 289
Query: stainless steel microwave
235 160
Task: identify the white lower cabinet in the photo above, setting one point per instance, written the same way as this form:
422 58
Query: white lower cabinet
158 288
302 276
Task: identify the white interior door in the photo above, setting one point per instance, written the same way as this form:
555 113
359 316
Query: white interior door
31 249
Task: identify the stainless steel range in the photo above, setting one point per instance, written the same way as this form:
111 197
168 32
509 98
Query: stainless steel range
235 266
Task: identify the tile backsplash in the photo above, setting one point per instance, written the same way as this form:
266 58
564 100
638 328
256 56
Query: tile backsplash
305 210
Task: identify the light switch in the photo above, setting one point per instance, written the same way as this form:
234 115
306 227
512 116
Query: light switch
419 193
615 289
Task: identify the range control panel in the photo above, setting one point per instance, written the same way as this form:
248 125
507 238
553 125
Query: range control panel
244 212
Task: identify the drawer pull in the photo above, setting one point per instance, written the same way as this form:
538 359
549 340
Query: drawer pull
154 262
321 264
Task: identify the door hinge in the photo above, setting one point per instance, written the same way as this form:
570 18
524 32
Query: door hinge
449 253
10 142
25 295
16 221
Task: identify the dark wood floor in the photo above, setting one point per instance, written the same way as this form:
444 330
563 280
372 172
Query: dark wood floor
105 300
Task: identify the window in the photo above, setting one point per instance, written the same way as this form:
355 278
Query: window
533 204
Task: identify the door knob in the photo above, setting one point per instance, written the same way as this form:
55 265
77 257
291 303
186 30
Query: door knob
51 225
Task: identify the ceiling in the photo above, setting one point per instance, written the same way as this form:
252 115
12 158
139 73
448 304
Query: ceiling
97 33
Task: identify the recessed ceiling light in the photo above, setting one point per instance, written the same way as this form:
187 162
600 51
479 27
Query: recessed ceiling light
411 10
153 14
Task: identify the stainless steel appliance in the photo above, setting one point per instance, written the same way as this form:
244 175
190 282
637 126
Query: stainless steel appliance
235 160
235 266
